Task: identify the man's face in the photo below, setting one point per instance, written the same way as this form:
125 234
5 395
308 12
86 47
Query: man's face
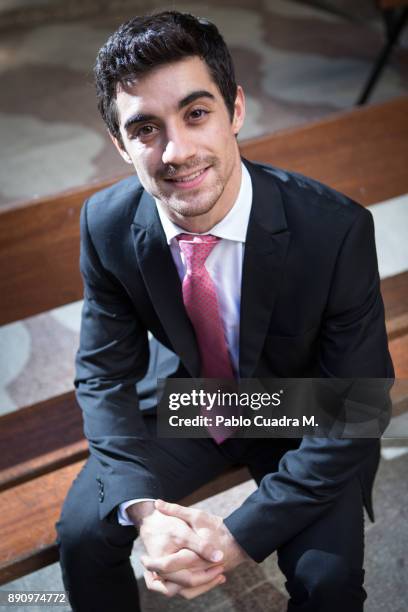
177 132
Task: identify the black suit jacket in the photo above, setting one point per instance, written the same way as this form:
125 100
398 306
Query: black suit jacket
310 306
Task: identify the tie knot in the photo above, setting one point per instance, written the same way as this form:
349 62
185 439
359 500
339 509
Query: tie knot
196 248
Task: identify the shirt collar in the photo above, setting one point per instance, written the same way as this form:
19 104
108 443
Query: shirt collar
232 227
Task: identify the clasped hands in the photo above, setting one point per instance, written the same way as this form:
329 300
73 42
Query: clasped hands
188 550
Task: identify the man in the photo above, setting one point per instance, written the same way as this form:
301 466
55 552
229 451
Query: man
287 271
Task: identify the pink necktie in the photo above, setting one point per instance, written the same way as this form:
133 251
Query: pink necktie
201 303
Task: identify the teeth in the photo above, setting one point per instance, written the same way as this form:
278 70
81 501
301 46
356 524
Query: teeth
187 179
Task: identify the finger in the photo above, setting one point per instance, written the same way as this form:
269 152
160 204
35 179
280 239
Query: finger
196 591
169 589
182 559
188 579
186 514
202 547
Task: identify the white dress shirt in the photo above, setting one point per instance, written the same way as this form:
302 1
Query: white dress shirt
224 265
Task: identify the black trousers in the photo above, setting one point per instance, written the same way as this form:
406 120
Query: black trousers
323 565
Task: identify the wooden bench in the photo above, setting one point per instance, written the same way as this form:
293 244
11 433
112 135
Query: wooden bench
362 153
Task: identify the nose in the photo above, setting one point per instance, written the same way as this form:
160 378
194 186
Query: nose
179 147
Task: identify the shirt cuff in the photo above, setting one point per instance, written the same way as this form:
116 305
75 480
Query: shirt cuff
123 518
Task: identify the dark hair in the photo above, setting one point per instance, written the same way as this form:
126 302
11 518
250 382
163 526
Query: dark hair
145 42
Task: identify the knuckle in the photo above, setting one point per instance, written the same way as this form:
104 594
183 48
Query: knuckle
178 541
201 518
205 534
205 548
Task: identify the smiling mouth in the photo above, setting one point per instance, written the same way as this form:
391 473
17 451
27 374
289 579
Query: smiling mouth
188 181
188 178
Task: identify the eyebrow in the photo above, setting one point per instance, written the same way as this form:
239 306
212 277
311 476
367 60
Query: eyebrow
194 95
201 93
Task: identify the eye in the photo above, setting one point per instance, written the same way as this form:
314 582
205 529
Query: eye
198 113
145 131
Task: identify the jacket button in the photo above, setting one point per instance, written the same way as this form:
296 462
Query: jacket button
101 496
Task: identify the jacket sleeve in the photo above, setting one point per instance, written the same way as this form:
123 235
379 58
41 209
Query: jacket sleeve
113 356
353 344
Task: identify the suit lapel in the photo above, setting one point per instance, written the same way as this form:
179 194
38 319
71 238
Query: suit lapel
163 283
266 246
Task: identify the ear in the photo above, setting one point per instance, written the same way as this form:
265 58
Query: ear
239 110
122 151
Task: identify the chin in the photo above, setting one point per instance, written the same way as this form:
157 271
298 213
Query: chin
191 209
196 211
189 212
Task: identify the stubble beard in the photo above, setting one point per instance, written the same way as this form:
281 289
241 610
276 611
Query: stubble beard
189 206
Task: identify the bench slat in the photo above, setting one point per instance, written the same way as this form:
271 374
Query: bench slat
397 327
40 438
395 293
34 507
399 353
349 151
